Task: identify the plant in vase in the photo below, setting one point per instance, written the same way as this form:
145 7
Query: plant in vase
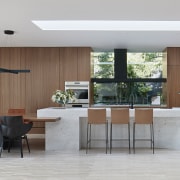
63 97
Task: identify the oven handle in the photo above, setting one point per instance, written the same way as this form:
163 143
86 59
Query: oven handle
75 86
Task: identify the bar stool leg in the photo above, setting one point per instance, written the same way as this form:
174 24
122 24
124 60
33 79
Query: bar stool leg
89 136
106 136
134 137
87 140
129 138
152 136
0 150
110 138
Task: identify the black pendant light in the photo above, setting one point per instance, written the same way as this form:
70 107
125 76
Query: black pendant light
14 71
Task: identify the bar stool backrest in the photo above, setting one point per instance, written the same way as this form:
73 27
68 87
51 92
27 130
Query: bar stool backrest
97 116
143 115
119 115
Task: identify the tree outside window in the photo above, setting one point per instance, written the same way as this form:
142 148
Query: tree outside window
139 65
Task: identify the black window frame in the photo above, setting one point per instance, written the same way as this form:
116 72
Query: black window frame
120 71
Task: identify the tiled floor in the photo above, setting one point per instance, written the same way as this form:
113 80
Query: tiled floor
96 165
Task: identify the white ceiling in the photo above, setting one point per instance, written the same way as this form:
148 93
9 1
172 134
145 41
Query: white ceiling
17 15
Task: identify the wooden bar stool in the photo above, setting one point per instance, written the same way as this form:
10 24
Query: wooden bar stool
120 116
96 117
144 116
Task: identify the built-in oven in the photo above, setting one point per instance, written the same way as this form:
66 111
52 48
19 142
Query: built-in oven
81 90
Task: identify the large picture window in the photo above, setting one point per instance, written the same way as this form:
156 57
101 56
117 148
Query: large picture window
133 78
125 93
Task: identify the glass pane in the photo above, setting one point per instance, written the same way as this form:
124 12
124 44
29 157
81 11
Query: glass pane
138 93
145 65
102 65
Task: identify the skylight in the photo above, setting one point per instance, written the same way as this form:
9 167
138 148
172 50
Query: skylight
99 25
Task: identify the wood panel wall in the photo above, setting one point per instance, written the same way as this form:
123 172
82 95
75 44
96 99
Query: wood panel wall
173 76
50 68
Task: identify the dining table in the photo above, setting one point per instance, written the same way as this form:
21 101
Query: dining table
32 117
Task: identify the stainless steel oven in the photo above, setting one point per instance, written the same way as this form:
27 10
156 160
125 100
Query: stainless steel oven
81 89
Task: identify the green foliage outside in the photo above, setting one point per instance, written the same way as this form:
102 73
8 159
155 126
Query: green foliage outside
140 65
103 65
146 65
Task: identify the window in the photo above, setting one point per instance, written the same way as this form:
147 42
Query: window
102 64
125 93
126 78
144 65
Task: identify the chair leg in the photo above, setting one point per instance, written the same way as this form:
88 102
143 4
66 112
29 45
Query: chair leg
0 151
1 148
106 136
152 137
110 138
9 144
87 138
25 137
21 146
134 137
151 142
129 138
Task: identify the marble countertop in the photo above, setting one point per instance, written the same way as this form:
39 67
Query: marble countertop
82 112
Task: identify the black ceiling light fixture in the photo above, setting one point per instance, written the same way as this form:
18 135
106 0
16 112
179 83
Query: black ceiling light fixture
8 32
16 71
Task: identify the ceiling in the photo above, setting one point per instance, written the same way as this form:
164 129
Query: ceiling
17 15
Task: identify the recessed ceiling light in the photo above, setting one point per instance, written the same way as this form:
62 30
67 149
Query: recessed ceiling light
108 25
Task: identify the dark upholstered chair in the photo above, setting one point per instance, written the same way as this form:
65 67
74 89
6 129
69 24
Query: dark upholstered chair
1 140
13 129
19 112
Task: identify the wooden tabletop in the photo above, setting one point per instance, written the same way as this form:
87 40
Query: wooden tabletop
41 119
34 118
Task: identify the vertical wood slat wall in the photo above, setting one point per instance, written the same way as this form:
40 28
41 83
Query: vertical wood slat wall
50 67
173 76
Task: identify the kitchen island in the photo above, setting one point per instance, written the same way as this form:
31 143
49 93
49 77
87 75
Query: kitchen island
69 134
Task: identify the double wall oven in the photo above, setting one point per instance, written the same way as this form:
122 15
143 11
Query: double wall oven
81 89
